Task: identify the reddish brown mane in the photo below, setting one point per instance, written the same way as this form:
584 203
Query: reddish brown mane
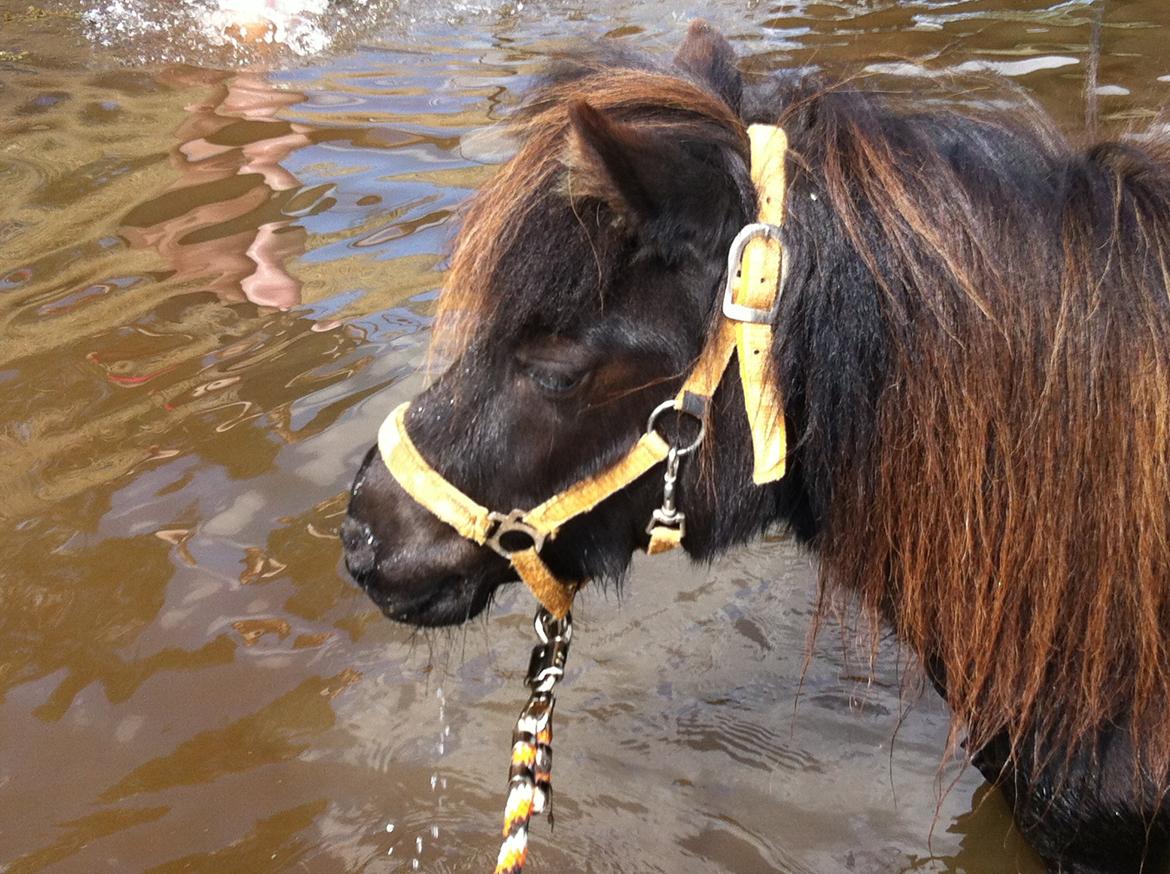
1013 515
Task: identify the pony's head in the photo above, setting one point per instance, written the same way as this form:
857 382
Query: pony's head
582 286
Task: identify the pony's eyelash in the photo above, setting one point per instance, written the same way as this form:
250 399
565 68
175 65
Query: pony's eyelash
553 381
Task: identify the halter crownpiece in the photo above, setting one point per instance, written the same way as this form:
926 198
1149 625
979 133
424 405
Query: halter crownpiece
751 302
756 270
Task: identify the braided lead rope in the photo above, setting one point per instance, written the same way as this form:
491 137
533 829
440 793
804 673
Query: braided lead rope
530 774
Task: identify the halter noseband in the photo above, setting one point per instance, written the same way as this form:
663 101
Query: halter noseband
755 279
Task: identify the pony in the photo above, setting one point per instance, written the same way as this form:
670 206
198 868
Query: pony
973 351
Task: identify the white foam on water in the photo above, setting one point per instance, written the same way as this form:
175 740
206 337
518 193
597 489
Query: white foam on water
217 30
291 23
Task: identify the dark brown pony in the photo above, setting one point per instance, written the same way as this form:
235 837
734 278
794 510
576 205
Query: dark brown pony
974 351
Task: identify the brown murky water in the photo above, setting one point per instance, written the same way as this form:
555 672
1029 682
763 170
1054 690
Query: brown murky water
214 282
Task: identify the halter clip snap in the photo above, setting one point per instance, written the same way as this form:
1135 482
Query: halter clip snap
668 515
668 524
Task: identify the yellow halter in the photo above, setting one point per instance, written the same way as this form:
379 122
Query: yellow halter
755 279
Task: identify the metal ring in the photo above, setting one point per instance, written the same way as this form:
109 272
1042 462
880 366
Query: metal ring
669 405
513 523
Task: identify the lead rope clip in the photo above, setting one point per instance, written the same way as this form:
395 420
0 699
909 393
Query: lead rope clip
668 525
668 515
530 774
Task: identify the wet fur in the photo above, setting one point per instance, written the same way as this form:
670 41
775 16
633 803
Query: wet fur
973 349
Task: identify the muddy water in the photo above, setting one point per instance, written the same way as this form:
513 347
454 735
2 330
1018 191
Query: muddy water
218 258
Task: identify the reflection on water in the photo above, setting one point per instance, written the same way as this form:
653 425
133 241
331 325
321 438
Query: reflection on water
214 281
230 211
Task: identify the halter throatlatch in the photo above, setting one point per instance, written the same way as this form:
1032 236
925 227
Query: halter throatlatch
751 302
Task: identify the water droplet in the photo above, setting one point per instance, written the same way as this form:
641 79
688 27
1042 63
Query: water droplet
389 827
434 831
414 864
434 781
418 845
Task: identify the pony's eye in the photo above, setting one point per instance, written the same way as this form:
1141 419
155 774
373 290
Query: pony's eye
553 380
556 366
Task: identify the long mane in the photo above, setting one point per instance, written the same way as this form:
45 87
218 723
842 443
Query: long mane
987 421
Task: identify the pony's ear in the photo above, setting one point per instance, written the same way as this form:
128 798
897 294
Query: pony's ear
639 175
656 189
615 163
707 55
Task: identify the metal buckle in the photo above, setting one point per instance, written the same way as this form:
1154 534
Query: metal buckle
740 312
513 523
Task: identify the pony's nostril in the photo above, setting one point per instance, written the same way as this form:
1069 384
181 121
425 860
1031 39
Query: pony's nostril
354 533
360 552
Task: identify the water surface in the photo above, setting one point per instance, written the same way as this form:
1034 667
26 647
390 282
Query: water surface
219 253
